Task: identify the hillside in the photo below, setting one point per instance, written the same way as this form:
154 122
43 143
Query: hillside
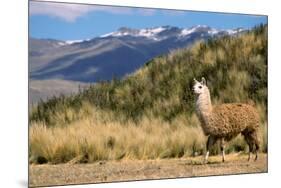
235 68
150 114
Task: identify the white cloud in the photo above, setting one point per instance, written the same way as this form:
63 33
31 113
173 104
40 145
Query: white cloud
70 12
67 12
146 12
173 12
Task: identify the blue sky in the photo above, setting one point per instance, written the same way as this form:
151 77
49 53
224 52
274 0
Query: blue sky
75 21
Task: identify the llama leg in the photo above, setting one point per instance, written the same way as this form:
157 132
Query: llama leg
211 141
250 151
256 151
257 144
253 142
248 140
222 146
250 143
206 157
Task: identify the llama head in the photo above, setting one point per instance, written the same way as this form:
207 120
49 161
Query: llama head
199 87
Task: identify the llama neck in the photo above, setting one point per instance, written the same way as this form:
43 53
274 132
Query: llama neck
204 106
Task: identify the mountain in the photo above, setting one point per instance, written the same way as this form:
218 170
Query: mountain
45 89
112 55
235 69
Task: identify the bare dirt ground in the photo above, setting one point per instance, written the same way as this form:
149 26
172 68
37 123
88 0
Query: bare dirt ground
126 170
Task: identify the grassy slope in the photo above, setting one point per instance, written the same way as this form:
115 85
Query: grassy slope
154 106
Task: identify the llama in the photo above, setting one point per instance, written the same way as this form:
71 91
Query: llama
224 122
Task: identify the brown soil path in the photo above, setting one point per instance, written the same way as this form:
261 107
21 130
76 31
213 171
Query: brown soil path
125 170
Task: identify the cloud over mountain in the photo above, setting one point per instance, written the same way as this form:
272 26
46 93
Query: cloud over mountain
71 12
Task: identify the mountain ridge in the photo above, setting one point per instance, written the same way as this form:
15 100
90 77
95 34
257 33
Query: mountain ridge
107 54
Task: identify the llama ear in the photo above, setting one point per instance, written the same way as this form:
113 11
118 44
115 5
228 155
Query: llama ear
203 81
195 80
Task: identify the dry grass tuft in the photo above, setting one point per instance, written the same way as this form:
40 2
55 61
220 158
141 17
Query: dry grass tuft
101 138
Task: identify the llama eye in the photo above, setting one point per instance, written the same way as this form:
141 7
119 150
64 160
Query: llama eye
200 87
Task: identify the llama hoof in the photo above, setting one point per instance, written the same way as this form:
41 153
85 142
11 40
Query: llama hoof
256 158
249 157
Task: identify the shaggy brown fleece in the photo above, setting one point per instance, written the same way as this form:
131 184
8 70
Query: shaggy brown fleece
228 120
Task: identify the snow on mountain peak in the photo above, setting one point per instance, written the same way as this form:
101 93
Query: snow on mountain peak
234 31
151 33
154 33
187 31
76 41
213 31
148 32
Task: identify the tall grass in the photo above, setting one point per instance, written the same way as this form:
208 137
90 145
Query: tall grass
97 138
150 113
102 138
